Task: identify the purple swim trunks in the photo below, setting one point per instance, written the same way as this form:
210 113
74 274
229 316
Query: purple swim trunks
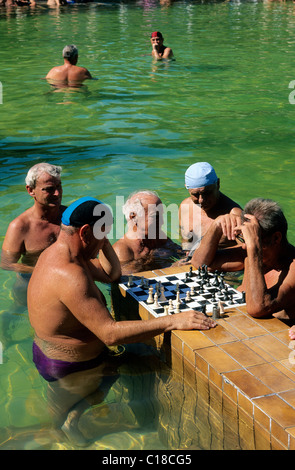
54 369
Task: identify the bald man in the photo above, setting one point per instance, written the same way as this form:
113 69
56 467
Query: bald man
145 246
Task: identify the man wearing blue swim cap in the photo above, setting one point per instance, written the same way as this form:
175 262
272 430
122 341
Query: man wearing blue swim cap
68 312
205 203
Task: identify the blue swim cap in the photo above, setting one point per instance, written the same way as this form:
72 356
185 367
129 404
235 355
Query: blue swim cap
82 212
199 175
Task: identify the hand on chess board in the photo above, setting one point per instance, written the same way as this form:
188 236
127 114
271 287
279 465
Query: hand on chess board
191 320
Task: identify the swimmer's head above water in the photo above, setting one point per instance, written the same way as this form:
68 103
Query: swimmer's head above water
70 53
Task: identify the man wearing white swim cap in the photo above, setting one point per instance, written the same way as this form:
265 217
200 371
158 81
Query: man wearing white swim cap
204 204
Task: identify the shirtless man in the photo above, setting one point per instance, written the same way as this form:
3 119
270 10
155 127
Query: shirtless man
69 315
145 246
264 253
36 228
68 73
206 202
160 51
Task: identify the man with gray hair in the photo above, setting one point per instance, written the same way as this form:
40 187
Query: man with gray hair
145 245
265 254
68 74
36 228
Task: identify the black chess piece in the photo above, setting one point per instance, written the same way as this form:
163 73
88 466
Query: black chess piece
216 279
221 282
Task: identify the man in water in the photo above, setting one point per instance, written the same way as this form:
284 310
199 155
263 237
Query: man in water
36 228
145 246
69 315
160 51
68 73
264 253
205 203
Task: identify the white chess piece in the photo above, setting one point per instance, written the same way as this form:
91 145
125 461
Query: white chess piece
221 307
188 296
166 310
177 305
156 303
177 301
170 308
150 299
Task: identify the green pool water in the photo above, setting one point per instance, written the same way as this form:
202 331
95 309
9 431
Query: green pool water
225 99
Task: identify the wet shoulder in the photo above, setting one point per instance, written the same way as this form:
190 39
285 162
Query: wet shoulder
226 203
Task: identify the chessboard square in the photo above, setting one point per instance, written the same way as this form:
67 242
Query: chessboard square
201 302
169 294
183 306
167 284
196 307
170 288
182 286
158 311
138 291
232 291
207 296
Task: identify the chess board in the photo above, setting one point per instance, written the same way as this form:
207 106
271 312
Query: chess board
209 290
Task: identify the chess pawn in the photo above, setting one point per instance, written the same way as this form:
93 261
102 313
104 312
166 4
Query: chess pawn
156 303
162 296
170 308
177 305
150 299
130 281
166 310
188 296
192 290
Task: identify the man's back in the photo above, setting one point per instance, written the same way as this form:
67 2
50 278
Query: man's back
68 73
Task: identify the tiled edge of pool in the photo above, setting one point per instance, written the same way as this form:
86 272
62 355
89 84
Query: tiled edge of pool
243 371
